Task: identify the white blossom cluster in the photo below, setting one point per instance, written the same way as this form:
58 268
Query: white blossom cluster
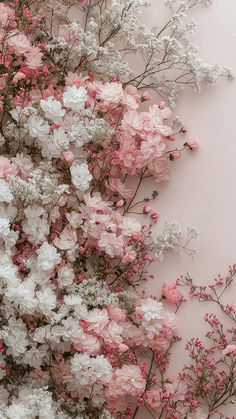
40 188
170 240
96 293
34 403
170 60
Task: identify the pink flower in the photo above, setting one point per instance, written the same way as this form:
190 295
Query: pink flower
116 185
74 79
2 82
68 156
153 147
112 334
18 76
127 380
97 320
24 164
19 43
131 90
130 226
171 293
132 122
67 239
159 169
153 398
5 14
129 101
116 313
34 58
129 255
7 168
229 350
129 153
153 121
111 244
169 323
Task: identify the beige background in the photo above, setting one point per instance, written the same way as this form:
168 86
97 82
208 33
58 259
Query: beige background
202 191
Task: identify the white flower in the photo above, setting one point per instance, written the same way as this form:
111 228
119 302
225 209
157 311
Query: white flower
130 226
16 342
38 128
75 98
72 300
150 309
34 356
23 295
2 370
23 162
16 113
52 109
89 370
56 144
111 92
42 334
33 211
152 328
102 369
65 277
17 411
5 193
46 299
47 257
36 229
4 227
8 272
81 176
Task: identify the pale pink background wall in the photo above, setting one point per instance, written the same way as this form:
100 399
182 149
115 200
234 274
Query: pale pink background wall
202 191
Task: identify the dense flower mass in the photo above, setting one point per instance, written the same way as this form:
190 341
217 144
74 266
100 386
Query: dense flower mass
79 136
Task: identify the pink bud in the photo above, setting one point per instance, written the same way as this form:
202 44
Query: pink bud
147 208
18 76
138 235
175 155
171 138
116 154
154 215
68 156
145 96
192 144
123 348
162 105
120 203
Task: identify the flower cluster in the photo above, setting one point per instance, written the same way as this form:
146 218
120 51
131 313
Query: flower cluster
78 138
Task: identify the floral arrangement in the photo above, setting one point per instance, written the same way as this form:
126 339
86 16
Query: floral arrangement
79 136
